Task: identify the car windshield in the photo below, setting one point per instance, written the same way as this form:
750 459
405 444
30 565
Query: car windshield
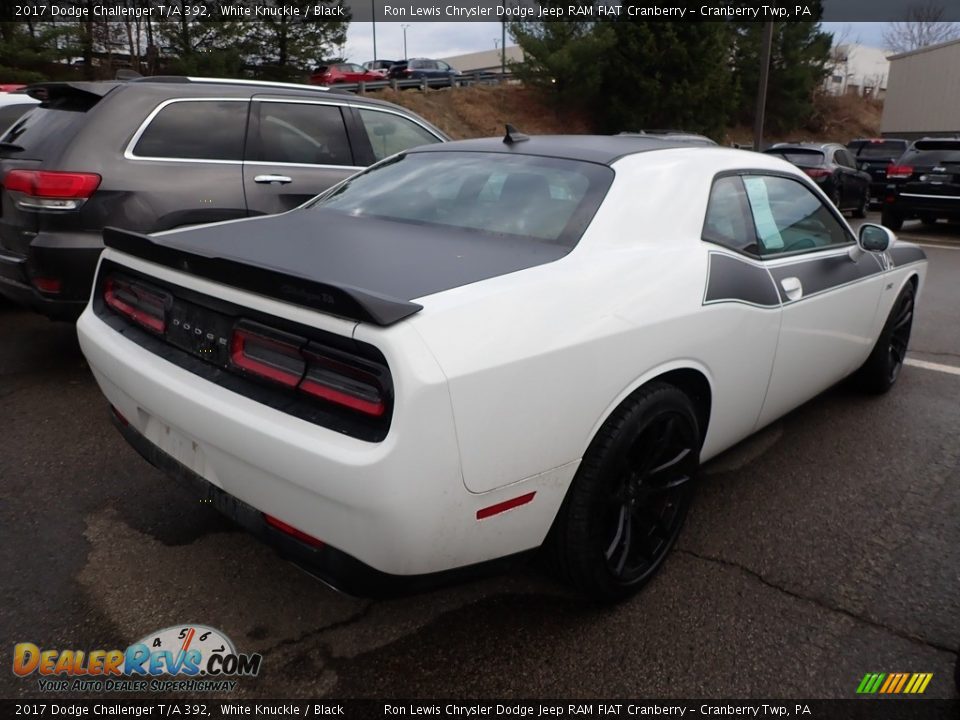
803 158
883 149
547 199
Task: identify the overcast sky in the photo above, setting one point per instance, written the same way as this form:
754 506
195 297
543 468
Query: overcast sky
443 39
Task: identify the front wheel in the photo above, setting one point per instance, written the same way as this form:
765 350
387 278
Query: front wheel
881 370
627 503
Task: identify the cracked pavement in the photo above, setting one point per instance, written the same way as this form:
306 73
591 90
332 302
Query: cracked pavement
825 547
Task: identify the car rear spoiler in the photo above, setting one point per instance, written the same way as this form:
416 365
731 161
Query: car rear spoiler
342 300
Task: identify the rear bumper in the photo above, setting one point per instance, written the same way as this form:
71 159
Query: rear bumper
913 205
398 506
70 258
334 567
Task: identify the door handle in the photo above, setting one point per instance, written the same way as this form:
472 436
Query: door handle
792 287
270 179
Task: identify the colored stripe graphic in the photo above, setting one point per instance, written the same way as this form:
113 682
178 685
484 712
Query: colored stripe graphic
894 683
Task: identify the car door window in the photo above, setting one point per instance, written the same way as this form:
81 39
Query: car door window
304 133
182 129
728 221
390 134
790 218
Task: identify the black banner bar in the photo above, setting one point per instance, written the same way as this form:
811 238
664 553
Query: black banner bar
621 709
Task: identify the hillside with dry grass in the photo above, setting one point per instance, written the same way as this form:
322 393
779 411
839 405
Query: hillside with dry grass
481 111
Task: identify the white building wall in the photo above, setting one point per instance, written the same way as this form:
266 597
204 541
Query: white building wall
858 69
923 94
485 60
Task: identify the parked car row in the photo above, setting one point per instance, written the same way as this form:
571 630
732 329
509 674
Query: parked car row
379 70
140 155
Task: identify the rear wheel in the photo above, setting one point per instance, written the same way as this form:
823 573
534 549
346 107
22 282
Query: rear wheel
630 496
891 219
882 368
861 210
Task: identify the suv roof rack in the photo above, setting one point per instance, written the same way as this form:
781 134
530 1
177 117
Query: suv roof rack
227 81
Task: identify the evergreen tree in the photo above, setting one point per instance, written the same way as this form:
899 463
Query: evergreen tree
288 46
668 76
798 65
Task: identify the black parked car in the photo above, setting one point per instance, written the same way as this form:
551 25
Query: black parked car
416 68
924 183
873 156
159 153
833 168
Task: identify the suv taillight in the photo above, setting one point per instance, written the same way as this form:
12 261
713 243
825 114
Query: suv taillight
145 306
291 361
51 190
899 172
816 172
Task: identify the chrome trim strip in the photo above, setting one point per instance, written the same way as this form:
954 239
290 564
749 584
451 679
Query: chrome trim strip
932 197
266 163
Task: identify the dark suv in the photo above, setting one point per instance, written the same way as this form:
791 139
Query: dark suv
159 153
833 168
874 155
416 68
924 183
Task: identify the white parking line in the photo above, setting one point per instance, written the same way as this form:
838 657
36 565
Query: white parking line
950 369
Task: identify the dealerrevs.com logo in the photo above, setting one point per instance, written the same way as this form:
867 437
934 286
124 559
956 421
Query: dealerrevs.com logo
182 658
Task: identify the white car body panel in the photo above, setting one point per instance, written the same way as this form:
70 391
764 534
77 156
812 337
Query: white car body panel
502 384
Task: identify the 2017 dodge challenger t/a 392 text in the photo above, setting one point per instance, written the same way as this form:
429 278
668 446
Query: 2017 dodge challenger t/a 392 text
477 348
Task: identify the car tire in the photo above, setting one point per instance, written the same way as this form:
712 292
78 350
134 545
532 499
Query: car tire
928 220
835 197
881 370
891 219
626 504
860 211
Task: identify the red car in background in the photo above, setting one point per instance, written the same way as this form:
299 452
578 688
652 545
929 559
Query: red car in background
343 73
10 87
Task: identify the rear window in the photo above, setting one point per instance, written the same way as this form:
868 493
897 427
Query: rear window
881 149
196 130
52 123
803 158
546 199
932 152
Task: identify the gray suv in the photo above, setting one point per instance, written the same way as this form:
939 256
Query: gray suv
160 153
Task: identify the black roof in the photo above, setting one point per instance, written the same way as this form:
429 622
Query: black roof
602 149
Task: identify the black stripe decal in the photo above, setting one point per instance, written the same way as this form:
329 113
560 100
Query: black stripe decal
906 254
825 273
733 280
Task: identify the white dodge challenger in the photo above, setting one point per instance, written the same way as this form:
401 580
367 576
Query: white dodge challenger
478 348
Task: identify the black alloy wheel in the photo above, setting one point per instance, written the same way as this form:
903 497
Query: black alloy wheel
628 501
882 369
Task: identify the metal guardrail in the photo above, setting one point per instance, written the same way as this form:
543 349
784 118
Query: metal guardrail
464 80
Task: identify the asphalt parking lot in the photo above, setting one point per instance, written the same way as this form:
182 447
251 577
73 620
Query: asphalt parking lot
826 547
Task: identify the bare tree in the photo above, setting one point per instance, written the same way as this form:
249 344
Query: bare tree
923 26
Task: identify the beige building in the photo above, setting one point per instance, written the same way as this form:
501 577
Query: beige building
923 92
486 60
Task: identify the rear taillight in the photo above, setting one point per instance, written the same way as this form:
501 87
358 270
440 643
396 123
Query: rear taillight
290 361
50 285
50 190
899 172
816 173
343 384
266 357
145 306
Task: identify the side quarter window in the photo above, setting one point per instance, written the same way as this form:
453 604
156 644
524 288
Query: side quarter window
789 218
390 134
728 221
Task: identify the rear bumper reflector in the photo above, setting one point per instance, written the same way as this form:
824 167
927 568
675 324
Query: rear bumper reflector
504 506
